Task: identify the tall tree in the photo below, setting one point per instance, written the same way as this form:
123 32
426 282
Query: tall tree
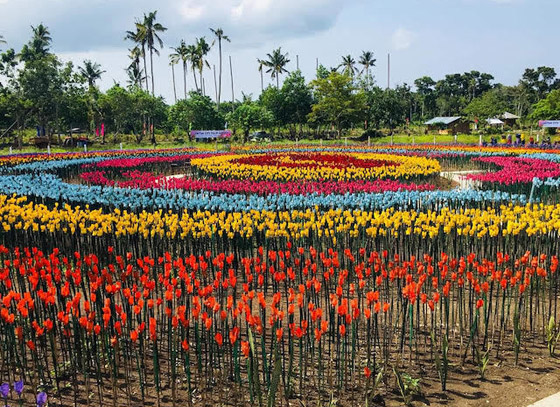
39 45
91 72
134 70
276 64
338 102
539 82
138 37
173 60
193 57
182 54
219 33
151 30
367 61
202 50
262 64
348 66
425 88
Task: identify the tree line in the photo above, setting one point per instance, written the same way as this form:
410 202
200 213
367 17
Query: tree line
38 89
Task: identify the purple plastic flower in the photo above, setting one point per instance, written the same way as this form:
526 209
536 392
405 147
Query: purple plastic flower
4 390
41 399
18 387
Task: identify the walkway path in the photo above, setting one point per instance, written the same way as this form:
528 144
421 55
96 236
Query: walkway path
551 401
460 178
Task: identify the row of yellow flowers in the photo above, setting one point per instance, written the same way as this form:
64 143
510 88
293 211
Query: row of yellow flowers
18 213
406 167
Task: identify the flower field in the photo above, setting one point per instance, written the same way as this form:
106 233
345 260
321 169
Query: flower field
259 277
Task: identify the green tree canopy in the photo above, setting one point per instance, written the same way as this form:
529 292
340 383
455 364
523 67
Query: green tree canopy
548 108
250 116
338 102
198 112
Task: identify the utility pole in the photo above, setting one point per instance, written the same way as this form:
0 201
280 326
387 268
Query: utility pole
297 62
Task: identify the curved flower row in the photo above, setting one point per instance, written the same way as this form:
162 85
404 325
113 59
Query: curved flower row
52 187
16 159
21 214
516 170
146 180
400 166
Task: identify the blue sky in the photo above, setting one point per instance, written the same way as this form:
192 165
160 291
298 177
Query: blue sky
424 37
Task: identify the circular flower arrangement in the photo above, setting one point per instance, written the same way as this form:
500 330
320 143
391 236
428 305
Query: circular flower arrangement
289 166
170 266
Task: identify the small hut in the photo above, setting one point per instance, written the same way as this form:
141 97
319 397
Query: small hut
509 119
449 125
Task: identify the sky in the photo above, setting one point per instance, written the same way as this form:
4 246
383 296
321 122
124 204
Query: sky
423 37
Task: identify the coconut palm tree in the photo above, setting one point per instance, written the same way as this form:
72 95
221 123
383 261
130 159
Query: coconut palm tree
135 75
367 61
348 65
276 64
202 49
139 38
193 57
151 31
39 44
173 60
219 33
2 40
134 67
182 53
262 64
91 72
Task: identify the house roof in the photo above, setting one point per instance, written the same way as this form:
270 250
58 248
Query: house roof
509 116
494 122
443 120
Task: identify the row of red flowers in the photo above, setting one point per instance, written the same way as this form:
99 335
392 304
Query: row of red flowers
516 170
312 160
146 180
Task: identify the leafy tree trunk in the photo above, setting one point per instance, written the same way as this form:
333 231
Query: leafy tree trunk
174 87
145 67
195 81
220 75
185 78
152 68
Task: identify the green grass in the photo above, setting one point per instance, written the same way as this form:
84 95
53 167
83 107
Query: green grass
165 141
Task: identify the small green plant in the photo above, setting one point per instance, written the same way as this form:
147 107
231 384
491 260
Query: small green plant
408 386
442 364
482 360
372 386
552 335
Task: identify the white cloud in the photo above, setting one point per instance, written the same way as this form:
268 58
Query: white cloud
254 20
402 39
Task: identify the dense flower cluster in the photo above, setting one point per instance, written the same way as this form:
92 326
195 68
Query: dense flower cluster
300 167
146 180
153 270
517 170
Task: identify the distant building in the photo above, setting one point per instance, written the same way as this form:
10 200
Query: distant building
509 119
494 122
449 125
